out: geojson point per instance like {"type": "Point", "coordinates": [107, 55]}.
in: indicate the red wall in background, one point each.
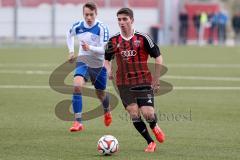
{"type": "Point", "coordinates": [194, 8]}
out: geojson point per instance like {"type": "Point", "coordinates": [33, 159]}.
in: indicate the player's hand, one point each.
{"type": "Point", "coordinates": [156, 85]}
{"type": "Point", "coordinates": [71, 57]}
{"type": "Point", "coordinates": [85, 46]}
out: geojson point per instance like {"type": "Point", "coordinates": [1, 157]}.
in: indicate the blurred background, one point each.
{"type": "Point", "coordinates": [169, 22]}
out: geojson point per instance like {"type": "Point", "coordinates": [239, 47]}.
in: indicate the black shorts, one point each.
{"type": "Point", "coordinates": [141, 95]}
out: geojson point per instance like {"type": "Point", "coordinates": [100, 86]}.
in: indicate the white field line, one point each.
{"type": "Point", "coordinates": [31, 72]}
{"type": "Point", "coordinates": [200, 65]}
{"type": "Point", "coordinates": [20, 65]}
{"type": "Point", "coordinates": [201, 78]}
{"type": "Point", "coordinates": [40, 72]}
{"type": "Point", "coordinates": [208, 88]}
{"type": "Point", "coordinates": [23, 87]}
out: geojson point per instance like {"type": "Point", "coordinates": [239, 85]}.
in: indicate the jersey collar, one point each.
{"type": "Point", "coordinates": [87, 26]}
{"type": "Point", "coordinates": [127, 39]}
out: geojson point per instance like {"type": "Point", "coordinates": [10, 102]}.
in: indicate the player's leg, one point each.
{"type": "Point", "coordinates": [79, 81]}
{"type": "Point", "coordinates": [151, 118]}
{"type": "Point", "coordinates": [129, 102]}
{"type": "Point", "coordinates": [77, 103]}
{"type": "Point", "coordinates": [145, 100]}
{"type": "Point", "coordinates": [138, 123]}
{"type": "Point", "coordinates": [99, 79]}
{"type": "Point", "coordinates": [104, 98]}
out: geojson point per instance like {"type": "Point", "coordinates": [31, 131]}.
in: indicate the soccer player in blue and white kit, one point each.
{"type": "Point", "coordinates": [92, 35]}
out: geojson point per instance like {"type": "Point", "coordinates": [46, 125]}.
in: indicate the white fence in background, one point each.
{"type": "Point", "coordinates": [37, 22]}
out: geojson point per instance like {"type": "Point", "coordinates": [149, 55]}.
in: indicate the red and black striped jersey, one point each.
{"type": "Point", "coordinates": [131, 58]}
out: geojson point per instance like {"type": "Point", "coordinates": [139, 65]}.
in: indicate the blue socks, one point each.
{"type": "Point", "coordinates": [77, 106]}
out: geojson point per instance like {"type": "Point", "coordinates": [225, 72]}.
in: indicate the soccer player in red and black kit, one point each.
{"type": "Point", "coordinates": [135, 82]}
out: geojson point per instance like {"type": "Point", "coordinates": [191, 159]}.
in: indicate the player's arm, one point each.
{"type": "Point", "coordinates": [154, 52]}
{"type": "Point", "coordinates": [104, 35]}
{"type": "Point", "coordinates": [108, 66]}
{"type": "Point", "coordinates": [157, 71]}
{"type": "Point", "coordinates": [109, 55]}
{"type": "Point", "coordinates": [70, 43]}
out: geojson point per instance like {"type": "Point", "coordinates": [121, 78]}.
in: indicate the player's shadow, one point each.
{"type": "Point", "coordinates": [101, 157]}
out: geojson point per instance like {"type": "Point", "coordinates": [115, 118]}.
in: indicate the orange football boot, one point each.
{"type": "Point", "coordinates": [160, 136]}
{"type": "Point", "coordinates": [107, 119]}
{"type": "Point", "coordinates": [151, 147]}
{"type": "Point", "coordinates": [77, 126]}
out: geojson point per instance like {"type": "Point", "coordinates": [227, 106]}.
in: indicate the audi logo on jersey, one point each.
{"type": "Point", "coordinates": [128, 53]}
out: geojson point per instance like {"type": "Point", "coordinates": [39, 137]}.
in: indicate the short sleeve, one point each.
{"type": "Point", "coordinates": [151, 47]}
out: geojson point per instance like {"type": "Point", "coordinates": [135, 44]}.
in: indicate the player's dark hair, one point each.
{"type": "Point", "coordinates": [126, 11]}
{"type": "Point", "coordinates": [91, 5]}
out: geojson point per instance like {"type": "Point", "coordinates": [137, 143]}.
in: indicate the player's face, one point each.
{"type": "Point", "coordinates": [124, 22]}
{"type": "Point", "coordinates": [89, 15]}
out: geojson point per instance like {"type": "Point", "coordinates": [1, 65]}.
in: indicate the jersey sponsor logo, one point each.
{"type": "Point", "coordinates": [128, 53]}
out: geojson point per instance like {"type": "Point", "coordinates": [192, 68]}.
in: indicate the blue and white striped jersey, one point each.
{"type": "Point", "coordinates": [96, 36]}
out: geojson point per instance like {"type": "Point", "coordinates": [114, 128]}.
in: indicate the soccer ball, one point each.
{"type": "Point", "coordinates": [107, 145]}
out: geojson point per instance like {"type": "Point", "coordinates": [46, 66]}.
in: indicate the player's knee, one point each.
{"type": "Point", "coordinates": [133, 110]}
{"type": "Point", "coordinates": [77, 89]}
{"type": "Point", "coordinates": [149, 116]}
{"type": "Point", "coordinates": [148, 112]}
{"type": "Point", "coordinates": [133, 114]}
